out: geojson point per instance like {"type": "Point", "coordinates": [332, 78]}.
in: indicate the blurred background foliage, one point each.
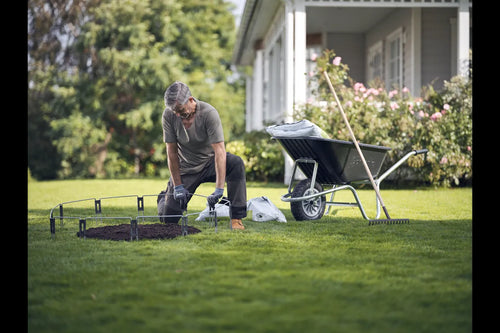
{"type": "Point", "coordinates": [97, 71]}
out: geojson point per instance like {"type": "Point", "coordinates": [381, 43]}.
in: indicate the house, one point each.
{"type": "Point", "coordinates": [406, 43]}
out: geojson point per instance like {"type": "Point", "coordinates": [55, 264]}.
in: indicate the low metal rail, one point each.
{"type": "Point", "coordinates": [134, 219]}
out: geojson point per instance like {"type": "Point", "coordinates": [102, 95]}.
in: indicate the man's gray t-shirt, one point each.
{"type": "Point", "coordinates": [194, 143]}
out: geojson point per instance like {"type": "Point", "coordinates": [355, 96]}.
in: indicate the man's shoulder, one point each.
{"type": "Point", "coordinates": [206, 107]}
{"type": "Point", "coordinates": [208, 113]}
{"type": "Point", "coordinates": [168, 115]}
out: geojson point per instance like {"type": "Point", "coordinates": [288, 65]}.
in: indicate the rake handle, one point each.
{"type": "Point", "coordinates": [353, 138]}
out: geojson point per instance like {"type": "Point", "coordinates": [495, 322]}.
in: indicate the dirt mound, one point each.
{"type": "Point", "coordinates": [145, 231]}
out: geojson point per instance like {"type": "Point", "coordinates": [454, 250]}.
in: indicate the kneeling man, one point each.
{"type": "Point", "coordinates": [192, 131]}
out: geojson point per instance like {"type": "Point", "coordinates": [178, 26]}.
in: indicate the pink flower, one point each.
{"type": "Point", "coordinates": [392, 93]}
{"type": "Point", "coordinates": [358, 86]}
{"type": "Point", "coordinates": [394, 106]}
{"type": "Point", "coordinates": [444, 160]}
{"type": "Point", "coordinates": [314, 56]}
{"type": "Point", "coordinates": [469, 148]}
{"type": "Point", "coordinates": [348, 104]}
{"type": "Point", "coordinates": [446, 106]}
{"type": "Point", "coordinates": [336, 61]}
{"type": "Point", "coordinates": [405, 90]}
{"type": "Point", "coordinates": [421, 114]}
{"type": "Point", "coordinates": [436, 116]}
{"type": "Point", "coordinates": [311, 74]}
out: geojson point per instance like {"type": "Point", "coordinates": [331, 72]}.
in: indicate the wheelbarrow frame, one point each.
{"type": "Point", "coordinates": [339, 183]}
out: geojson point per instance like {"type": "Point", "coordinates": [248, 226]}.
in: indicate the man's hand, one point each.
{"type": "Point", "coordinates": [213, 198]}
{"type": "Point", "coordinates": [181, 195]}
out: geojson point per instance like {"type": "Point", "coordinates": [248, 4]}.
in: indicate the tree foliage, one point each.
{"type": "Point", "coordinates": [98, 71]}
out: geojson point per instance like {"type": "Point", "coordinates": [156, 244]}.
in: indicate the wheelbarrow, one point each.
{"type": "Point", "coordinates": [335, 163]}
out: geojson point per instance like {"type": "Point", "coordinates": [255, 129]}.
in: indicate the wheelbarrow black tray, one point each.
{"type": "Point", "coordinates": [338, 160]}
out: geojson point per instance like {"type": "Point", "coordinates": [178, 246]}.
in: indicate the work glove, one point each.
{"type": "Point", "coordinates": [181, 195]}
{"type": "Point", "coordinates": [213, 198]}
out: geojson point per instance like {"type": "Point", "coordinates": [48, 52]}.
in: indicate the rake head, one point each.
{"type": "Point", "coordinates": [388, 221]}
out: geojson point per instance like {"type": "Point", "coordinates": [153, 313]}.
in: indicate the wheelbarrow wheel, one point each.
{"type": "Point", "coordinates": [311, 209]}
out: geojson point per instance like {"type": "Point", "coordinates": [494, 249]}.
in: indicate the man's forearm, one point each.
{"type": "Point", "coordinates": [220, 164]}
{"type": "Point", "coordinates": [173, 164]}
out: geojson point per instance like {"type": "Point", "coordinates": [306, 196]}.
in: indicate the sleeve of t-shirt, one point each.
{"type": "Point", "coordinates": [214, 127]}
{"type": "Point", "coordinates": [168, 127]}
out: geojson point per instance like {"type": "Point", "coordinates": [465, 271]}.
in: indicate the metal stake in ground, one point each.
{"type": "Point", "coordinates": [184, 224]}
{"type": "Point", "coordinates": [134, 230]}
{"type": "Point", "coordinates": [368, 172]}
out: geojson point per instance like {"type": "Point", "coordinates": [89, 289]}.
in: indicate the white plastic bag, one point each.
{"type": "Point", "coordinates": [264, 210]}
{"type": "Point", "coordinates": [299, 128]}
{"type": "Point", "coordinates": [221, 210]}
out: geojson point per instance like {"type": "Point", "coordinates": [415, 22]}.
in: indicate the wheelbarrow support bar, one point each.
{"type": "Point", "coordinates": [390, 170]}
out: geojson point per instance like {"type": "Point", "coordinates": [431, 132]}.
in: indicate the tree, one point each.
{"type": "Point", "coordinates": [106, 107]}
{"type": "Point", "coordinates": [53, 26]}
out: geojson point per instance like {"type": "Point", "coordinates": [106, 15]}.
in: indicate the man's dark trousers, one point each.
{"type": "Point", "coordinates": [236, 188]}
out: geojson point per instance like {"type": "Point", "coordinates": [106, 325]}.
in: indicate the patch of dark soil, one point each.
{"type": "Point", "coordinates": [145, 231]}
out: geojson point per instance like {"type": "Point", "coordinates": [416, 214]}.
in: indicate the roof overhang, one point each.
{"type": "Point", "coordinates": [255, 21]}
{"type": "Point", "coordinates": [258, 16]}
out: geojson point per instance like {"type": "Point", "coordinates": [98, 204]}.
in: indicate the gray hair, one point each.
{"type": "Point", "coordinates": [177, 93]}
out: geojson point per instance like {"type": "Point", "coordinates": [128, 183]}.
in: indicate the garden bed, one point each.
{"type": "Point", "coordinates": [145, 231]}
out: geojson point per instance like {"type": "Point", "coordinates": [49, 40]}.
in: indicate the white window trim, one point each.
{"type": "Point", "coordinates": [375, 49]}
{"type": "Point", "coordinates": [398, 33]}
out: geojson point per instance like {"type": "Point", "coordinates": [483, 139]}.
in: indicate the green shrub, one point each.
{"type": "Point", "coordinates": [263, 157]}
{"type": "Point", "coordinates": [440, 122]}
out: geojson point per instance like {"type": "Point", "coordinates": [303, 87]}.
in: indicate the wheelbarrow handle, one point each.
{"type": "Point", "coordinates": [401, 161]}
{"type": "Point", "coordinates": [421, 151]}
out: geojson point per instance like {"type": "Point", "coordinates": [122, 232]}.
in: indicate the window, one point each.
{"type": "Point", "coordinates": [375, 62]}
{"type": "Point", "coordinates": [394, 60]}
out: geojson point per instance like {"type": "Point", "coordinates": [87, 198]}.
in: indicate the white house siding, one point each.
{"type": "Point", "coordinates": [436, 44]}
{"type": "Point", "coordinates": [351, 47]}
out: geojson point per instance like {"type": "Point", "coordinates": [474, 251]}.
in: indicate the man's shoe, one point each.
{"type": "Point", "coordinates": [236, 224]}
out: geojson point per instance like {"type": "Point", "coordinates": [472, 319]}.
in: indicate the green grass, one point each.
{"type": "Point", "coordinates": [336, 274]}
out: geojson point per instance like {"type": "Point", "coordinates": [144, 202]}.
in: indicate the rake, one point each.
{"type": "Point", "coordinates": [372, 181]}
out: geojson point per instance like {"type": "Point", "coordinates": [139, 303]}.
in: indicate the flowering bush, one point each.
{"type": "Point", "coordinates": [440, 122]}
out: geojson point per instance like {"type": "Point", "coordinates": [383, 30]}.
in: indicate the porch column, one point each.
{"type": "Point", "coordinates": [257, 91]}
{"type": "Point", "coordinates": [288, 100]}
{"type": "Point", "coordinates": [300, 53]}
{"type": "Point", "coordinates": [416, 51]}
{"type": "Point", "coordinates": [288, 57]}
{"type": "Point", "coordinates": [248, 103]}
{"type": "Point", "coordinates": [463, 38]}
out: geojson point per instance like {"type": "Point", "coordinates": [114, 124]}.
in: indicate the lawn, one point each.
{"type": "Point", "coordinates": [336, 274]}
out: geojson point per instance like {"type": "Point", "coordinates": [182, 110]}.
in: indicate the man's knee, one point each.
{"type": "Point", "coordinates": [235, 167]}
{"type": "Point", "coordinates": [167, 206]}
